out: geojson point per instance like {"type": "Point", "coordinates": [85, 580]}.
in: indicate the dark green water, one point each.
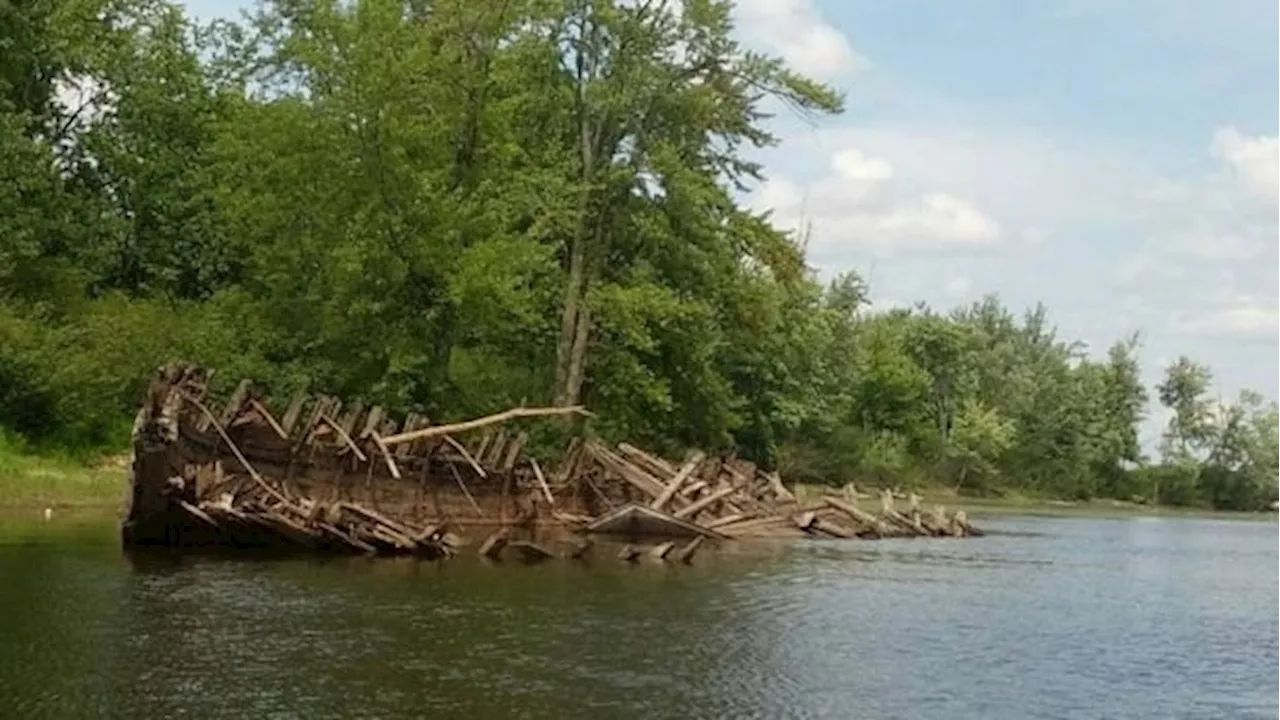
{"type": "Point", "coordinates": [1062, 618]}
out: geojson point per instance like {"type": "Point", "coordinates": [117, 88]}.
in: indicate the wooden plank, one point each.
{"type": "Point", "coordinates": [530, 551]}
{"type": "Point", "coordinates": [685, 554]}
{"type": "Point", "coordinates": [632, 474]}
{"type": "Point", "coordinates": [492, 545]}
{"type": "Point", "coordinates": [294, 411]}
{"type": "Point", "coordinates": [199, 514]}
{"type": "Point", "coordinates": [493, 455]}
{"type": "Point", "coordinates": [463, 486]}
{"type": "Point", "coordinates": [349, 540]}
{"type": "Point", "coordinates": [386, 455]}
{"type": "Point", "coordinates": [513, 452]}
{"type": "Point", "coordinates": [694, 508]}
{"type": "Point", "coordinates": [344, 437]}
{"type": "Point", "coordinates": [233, 405]}
{"type": "Point", "coordinates": [660, 552]}
{"type": "Point", "coordinates": [236, 451]}
{"type": "Point", "coordinates": [683, 474]}
{"type": "Point", "coordinates": [729, 520]}
{"type": "Point", "coordinates": [462, 450]}
{"type": "Point", "coordinates": [633, 519]}
{"type": "Point", "coordinates": [372, 422]}
{"type": "Point", "coordinates": [652, 464]}
{"type": "Point", "coordinates": [350, 419]}
{"type": "Point", "coordinates": [269, 418]}
{"type": "Point", "coordinates": [857, 514]}
{"type": "Point", "coordinates": [542, 482]}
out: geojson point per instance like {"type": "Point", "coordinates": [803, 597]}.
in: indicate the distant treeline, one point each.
{"type": "Point", "coordinates": [452, 208]}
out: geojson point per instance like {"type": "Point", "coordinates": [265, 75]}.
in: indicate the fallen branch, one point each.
{"type": "Point", "coordinates": [504, 416]}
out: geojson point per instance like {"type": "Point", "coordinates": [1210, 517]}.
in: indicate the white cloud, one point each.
{"type": "Point", "coordinates": [853, 164]}
{"type": "Point", "coordinates": [958, 286]}
{"type": "Point", "coordinates": [940, 218]}
{"type": "Point", "coordinates": [1241, 317]}
{"type": "Point", "coordinates": [1254, 161]}
{"type": "Point", "coordinates": [796, 31]}
{"type": "Point", "coordinates": [857, 207]}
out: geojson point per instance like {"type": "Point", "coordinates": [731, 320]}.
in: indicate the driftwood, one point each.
{"type": "Point", "coordinates": [494, 419]}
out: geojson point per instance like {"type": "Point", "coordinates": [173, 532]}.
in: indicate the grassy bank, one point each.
{"type": "Point", "coordinates": [31, 479]}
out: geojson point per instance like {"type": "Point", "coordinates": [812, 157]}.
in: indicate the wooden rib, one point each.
{"type": "Point", "coordinates": [466, 456]}
{"type": "Point", "coordinates": [386, 455]}
{"type": "Point", "coordinates": [271, 420]}
{"type": "Point", "coordinates": [504, 416]}
{"type": "Point", "coordinates": [463, 486]}
{"type": "Point", "coordinates": [542, 481]}
{"type": "Point", "coordinates": [513, 451]}
{"type": "Point", "coordinates": [373, 421]}
{"type": "Point", "coordinates": [199, 514]}
{"type": "Point", "coordinates": [349, 419]}
{"type": "Point", "coordinates": [236, 451]}
{"type": "Point", "coordinates": [232, 407]}
{"type": "Point", "coordinates": [294, 411]}
{"type": "Point", "coordinates": [346, 439]}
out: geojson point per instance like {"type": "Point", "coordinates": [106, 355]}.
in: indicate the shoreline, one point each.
{"type": "Point", "coordinates": [30, 483]}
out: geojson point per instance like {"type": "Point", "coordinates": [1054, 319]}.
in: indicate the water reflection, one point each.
{"type": "Point", "coordinates": [1054, 618]}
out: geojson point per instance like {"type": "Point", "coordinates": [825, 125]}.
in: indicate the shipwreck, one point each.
{"type": "Point", "coordinates": [315, 474]}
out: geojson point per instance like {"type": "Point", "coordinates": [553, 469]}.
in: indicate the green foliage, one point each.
{"type": "Point", "coordinates": [456, 208]}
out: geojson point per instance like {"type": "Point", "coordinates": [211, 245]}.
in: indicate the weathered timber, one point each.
{"type": "Point", "coordinates": [683, 474]}
{"type": "Point", "coordinates": [505, 416]}
{"type": "Point", "coordinates": [312, 482]}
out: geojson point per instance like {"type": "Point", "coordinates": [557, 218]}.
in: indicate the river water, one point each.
{"type": "Point", "coordinates": [1045, 618]}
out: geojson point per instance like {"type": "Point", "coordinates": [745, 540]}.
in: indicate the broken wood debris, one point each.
{"type": "Point", "coordinates": [343, 478]}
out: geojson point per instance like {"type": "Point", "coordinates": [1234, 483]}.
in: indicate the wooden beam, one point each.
{"type": "Point", "coordinates": [542, 481]}
{"type": "Point", "coordinates": [465, 455]}
{"type": "Point", "coordinates": [685, 472]}
{"type": "Point", "coordinates": [236, 451]}
{"type": "Point", "coordinates": [512, 414]}
{"type": "Point", "coordinates": [346, 439]}
{"type": "Point", "coordinates": [267, 416]}
{"type": "Point", "coordinates": [694, 508]}
{"type": "Point", "coordinates": [386, 455]}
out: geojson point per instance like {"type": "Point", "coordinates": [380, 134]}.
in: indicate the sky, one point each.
{"type": "Point", "coordinates": [1116, 161]}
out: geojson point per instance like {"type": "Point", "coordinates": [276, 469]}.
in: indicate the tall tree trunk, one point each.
{"type": "Point", "coordinates": [570, 318]}
{"type": "Point", "coordinates": [574, 324]}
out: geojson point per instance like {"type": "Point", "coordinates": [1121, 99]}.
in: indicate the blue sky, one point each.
{"type": "Point", "coordinates": [1115, 160]}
